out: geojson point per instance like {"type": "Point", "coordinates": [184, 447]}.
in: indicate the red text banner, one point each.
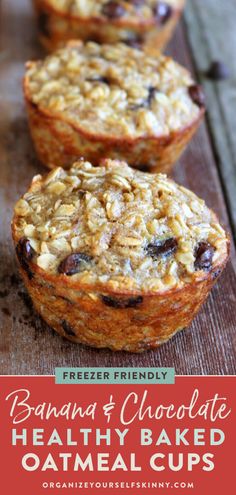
{"type": "Point", "coordinates": [117, 439]}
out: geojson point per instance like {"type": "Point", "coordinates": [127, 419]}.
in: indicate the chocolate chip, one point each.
{"type": "Point", "coordinates": [25, 254]}
{"type": "Point", "coordinates": [144, 167]}
{"type": "Point", "coordinates": [113, 10]}
{"type": "Point", "coordinates": [204, 253]}
{"type": "Point", "coordinates": [67, 328]}
{"type": "Point", "coordinates": [151, 94]}
{"type": "Point", "coordinates": [197, 95]}
{"type": "Point", "coordinates": [162, 248]}
{"type": "Point", "coordinates": [81, 193]}
{"type": "Point", "coordinates": [121, 303]}
{"type": "Point", "coordinates": [162, 12]}
{"type": "Point", "coordinates": [134, 42]}
{"type": "Point", "coordinates": [43, 24]}
{"type": "Point", "coordinates": [218, 71]}
{"type": "Point", "coordinates": [102, 79]}
{"type": "Point", "coordinates": [74, 263]}
{"type": "Point", "coordinates": [146, 103]}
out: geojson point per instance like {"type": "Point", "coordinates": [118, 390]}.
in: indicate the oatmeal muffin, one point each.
{"type": "Point", "coordinates": [149, 23]}
{"type": "Point", "coordinates": [114, 257]}
{"type": "Point", "coordinates": [97, 101]}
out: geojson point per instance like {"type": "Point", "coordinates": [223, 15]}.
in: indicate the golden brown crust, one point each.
{"type": "Point", "coordinates": [57, 27]}
{"type": "Point", "coordinates": [115, 214]}
{"type": "Point", "coordinates": [58, 142]}
{"type": "Point", "coordinates": [68, 285]}
{"type": "Point", "coordinates": [108, 311]}
{"type": "Point", "coordinates": [152, 322]}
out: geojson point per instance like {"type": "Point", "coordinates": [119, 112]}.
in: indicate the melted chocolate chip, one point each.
{"type": "Point", "coordinates": [151, 94]}
{"type": "Point", "coordinates": [162, 248]}
{"type": "Point", "coordinates": [197, 95]}
{"type": "Point", "coordinates": [144, 167]}
{"type": "Point", "coordinates": [218, 71]}
{"type": "Point", "coordinates": [25, 254]}
{"type": "Point", "coordinates": [67, 328]}
{"type": "Point", "coordinates": [146, 103]}
{"type": "Point", "coordinates": [113, 10]}
{"type": "Point", "coordinates": [74, 263]}
{"type": "Point", "coordinates": [102, 79]}
{"type": "Point", "coordinates": [121, 303]}
{"type": "Point", "coordinates": [43, 24]}
{"type": "Point", "coordinates": [203, 256]}
{"type": "Point", "coordinates": [81, 193]}
{"type": "Point", "coordinates": [162, 12]}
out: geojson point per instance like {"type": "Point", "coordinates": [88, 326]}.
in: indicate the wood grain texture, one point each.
{"type": "Point", "coordinates": [27, 345]}
{"type": "Point", "coordinates": [212, 36]}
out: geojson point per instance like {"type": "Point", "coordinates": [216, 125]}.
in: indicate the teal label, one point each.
{"type": "Point", "coordinates": [124, 376]}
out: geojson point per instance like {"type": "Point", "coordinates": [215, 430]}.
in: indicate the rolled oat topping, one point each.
{"type": "Point", "coordinates": [115, 90]}
{"type": "Point", "coordinates": [118, 227]}
{"type": "Point", "coordinates": [131, 10]}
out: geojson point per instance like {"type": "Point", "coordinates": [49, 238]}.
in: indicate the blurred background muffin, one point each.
{"type": "Point", "coordinates": [137, 22]}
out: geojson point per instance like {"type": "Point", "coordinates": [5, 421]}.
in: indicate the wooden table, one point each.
{"type": "Point", "coordinates": [27, 345]}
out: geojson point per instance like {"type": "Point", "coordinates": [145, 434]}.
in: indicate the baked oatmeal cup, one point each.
{"type": "Point", "coordinates": [96, 101]}
{"type": "Point", "coordinates": [149, 23]}
{"type": "Point", "coordinates": [114, 257]}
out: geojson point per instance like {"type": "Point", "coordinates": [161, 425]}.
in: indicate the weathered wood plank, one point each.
{"type": "Point", "coordinates": [212, 35]}
{"type": "Point", "coordinates": [27, 345]}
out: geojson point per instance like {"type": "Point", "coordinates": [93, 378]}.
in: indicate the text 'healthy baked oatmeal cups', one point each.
{"type": "Point", "coordinates": [97, 101]}
{"type": "Point", "coordinates": [149, 23]}
{"type": "Point", "coordinates": [113, 257]}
